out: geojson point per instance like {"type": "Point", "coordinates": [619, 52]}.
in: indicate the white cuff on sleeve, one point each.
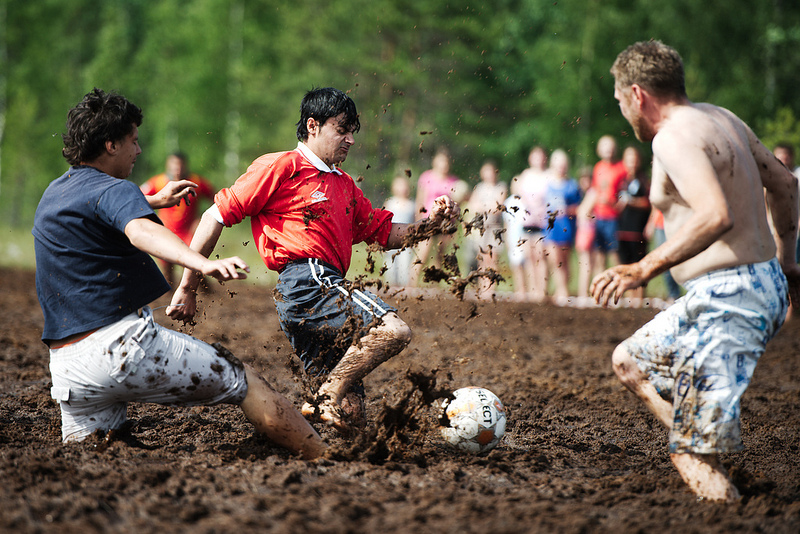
{"type": "Point", "coordinates": [214, 212]}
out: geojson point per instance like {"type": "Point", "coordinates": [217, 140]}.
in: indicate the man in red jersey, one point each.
{"type": "Point", "coordinates": [306, 215]}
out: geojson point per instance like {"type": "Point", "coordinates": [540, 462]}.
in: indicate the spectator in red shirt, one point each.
{"type": "Point", "coordinates": [181, 219]}
{"type": "Point", "coordinates": [608, 181]}
{"type": "Point", "coordinates": [306, 214]}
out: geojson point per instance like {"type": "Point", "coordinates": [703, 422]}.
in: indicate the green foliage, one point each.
{"type": "Point", "coordinates": [222, 79]}
{"type": "Point", "coordinates": [784, 128]}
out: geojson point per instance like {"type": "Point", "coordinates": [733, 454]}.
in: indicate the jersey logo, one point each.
{"type": "Point", "coordinates": [318, 196]}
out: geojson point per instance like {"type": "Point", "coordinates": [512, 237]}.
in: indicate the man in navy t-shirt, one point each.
{"type": "Point", "coordinates": [94, 233]}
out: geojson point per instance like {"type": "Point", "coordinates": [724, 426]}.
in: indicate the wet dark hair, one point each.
{"type": "Point", "coordinates": [323, 103]}
{"type": "Point", "coordinates": [98, 118]}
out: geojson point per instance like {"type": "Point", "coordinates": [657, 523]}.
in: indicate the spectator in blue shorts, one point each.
{"type": "Point", "coordinates": [563, 198]}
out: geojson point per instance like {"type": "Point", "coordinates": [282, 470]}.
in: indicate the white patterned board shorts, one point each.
{"type": "Point", "coordinates": [701, 352]}
{"type": "Point", "coordinates": [137, 360]}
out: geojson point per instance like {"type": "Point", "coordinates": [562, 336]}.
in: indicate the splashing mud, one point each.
{"type": "Point", "coordinates": [400, 426]}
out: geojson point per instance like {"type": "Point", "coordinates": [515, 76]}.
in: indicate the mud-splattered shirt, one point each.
{"type": "Point", "coordinates": [299, 209]}
{"type": "Point", "coordinates": [88, 274]}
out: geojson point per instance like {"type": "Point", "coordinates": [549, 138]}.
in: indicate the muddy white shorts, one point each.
{"type": "Point", "coordinates": [701, 352]}
{"type": "Point", "coordinates": [136, 359]}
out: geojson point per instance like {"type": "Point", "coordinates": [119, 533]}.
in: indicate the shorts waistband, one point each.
{"type": "Point", "coordinates": [70, 340]}
{"type": "Point", "coordinates": [311, 261]}
{"type": "Point", "coordinates": [736, 271]}
{"type": "Point", "coordinates": [144, 312]}
{"type": "Point", "coordinates": [742, 269]}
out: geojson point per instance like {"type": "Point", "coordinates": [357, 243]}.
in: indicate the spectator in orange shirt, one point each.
{"type": "Point", "coordinates": [183, 218]}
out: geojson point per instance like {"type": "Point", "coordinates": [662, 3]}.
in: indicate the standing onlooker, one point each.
{"type": "Point", "coordinates": [563, 198]}
{"type": "Point", "coordinates": [516, 244]}
{"type": "Point", "coordinates": [634, 215]}
{"type": "Point", "coordinates": [398, 264]}
{"type": "Point", "coordinates": [608, 181]}
{"type": "Point", "coordinates": [785, 154]}
{"type": "Point", "coordinates": [433, 183]}
{"type": "Point", "coordinates": [531, 187]}
{"type": "Point", "coordinates": [182, 218]}
{"type": "Point", "coordinates": [655, 232]}
{"type": "Point", "coordinates": [486, 201]}
{"type": "Point", "coordinates": [584, 235]}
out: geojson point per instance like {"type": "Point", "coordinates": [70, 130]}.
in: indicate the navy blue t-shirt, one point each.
{"type": "Point", "coordinates": [88, 274]}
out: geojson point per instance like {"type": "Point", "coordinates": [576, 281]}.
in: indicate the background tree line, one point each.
{"type": "Point", "coordinates": [222, 79]}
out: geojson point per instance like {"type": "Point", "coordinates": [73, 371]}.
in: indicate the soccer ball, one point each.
{"type": "Point", "coordinates": [474, 420]}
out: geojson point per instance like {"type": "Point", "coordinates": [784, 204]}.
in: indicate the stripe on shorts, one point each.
{"type": "Point", "coordinates": [358, 296]}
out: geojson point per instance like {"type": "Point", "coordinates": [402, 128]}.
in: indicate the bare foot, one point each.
{"type": "Point", "coordinates": [326, 412]}
{"type": "Point", "coordinates": [706, 476]}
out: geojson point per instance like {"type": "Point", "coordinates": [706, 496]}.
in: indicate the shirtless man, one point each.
{"type": "Point", "coordinates": [692, 363]}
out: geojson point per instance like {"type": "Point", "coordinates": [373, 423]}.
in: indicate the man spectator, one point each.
{"type": "Point", "coordinates": [181, 218]}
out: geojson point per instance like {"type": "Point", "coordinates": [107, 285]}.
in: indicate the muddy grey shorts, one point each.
{"type": "Point", "coordinates": [322, 313]}
{"type": "Point", "coordinates": [137, 360]}
{"type": "Point", "coordinates": [701, 352]}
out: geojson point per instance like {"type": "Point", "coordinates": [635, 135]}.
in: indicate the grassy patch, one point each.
{"type": "Point", "coordinates": [16, 248]}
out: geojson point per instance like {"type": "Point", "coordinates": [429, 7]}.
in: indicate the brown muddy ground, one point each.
{"type": "Point", "coordinates": [580, 454]}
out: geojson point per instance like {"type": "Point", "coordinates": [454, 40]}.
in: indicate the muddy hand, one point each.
{"type": "Point", "coordinates": [183, 305]}
{"type": "Point", "coordinates": [445, 208]}
{"type": "Point", "coordinates": [445, 213]}
{"type": "Point", "coordinates": [613, 282]}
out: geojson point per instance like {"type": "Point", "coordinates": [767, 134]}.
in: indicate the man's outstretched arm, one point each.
{"type": "Point", "coordinates": [184, 302]}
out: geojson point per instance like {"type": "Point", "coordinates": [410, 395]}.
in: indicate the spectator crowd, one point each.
{"type": "Point", "coordinates": [548, 231]}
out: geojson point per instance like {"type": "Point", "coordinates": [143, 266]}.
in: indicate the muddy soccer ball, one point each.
{"type": "Point", "coordinates": [474, 420]}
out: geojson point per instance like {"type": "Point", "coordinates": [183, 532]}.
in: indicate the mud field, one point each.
{"type": "Point", "coordinates": [580, 454]}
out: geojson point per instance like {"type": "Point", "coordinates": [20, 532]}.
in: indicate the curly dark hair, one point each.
{"type": "Point", "coordinates": [98, 118]}
{"type": "Point", "coordinates": [323, 103]}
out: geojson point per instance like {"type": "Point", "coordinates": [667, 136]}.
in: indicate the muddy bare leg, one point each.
{"type": "Point", "coordinates": [274, 416]}
{"type": "Point", "coordinates": [381, 343]}
{"type": "Point", "coordinates": [635, 380]}
{"type": "Point", "coordinates": [706, 476]}
{"type": "Point", "coordinates": [703, 473]}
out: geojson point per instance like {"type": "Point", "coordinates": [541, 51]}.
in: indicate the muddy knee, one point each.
{"type": "Point", "coordinates": [403, 336]}
{"type": "Point", "coordinates": [396, 333]}
{"type": "Point", "coordinates": [625, 368]}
